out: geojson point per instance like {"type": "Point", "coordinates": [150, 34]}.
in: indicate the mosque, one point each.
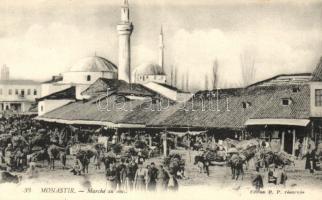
{"type": "Point", "coordinates": [88, 70]}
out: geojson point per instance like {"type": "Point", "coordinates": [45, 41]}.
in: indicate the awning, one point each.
{"type": "Point", "coordinates": [89, 122]}
{"type": "Point", "coordinates": [179, 134]}
{"type": "Point", "coordinates": [289, 122]}
{"type": "Point", "coordinates": [196, 132]}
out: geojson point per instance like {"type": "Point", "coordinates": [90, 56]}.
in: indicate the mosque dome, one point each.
{"type": "Point", "coordinates": [93, 64]}
{"type": "Point", "coordinates": [148, 69]}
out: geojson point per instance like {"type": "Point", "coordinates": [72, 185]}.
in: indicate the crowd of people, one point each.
{"type": "Point", "coordinates": [129, 175]}
{"type": "Point", "coordinates": [22, 137]}
{"type": "Point", "coordinates": [24, 142]}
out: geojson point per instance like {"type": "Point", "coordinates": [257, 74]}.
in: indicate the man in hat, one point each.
{"type": "Point", "coordinates": [164, 178]}
{"type": "Point", "coordinates": [77, 168]}
{"type": "Point", "coordinates": [153, 176]}
{"type": "Point", "coordinates": [272, 177]}
{"type": "Point", "coordinates": [32, 171]}
{"type": "Point", "coordinates": [111, 176]}
{"type": "Point", "coordinates": [257, 182]}
{"type": "Point", "coordinates": [9, 157]}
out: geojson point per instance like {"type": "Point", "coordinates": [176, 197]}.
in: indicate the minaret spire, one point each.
{"type": "Point", "coordinates": [125, 29]}
{"type": "Point", "coordinates": [161, 49]}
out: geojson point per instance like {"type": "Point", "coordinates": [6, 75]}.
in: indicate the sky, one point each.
{"type": "Point", "coordinates": [41, 38]}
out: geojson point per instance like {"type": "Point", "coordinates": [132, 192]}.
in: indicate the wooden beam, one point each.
{"type": "Point", "coordinates": [293, 145]}
{"type": "Point", "coordinates": [282, 140]}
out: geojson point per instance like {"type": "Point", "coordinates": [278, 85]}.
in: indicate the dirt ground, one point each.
{"type": "Point", "coordinates": [220, 176]}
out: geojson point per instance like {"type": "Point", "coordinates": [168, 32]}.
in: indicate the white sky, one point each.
{"type": "Point", "coordinates": [40, 38]}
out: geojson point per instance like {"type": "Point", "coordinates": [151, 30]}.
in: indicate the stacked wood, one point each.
{"type": "Point", "coordinates": [5, 139]}
{"type": "Point", "coordinates": [19, 141]}
{"type": "Point", "coordinates": [174, 162]}
{"type": "Point", "coordinates": [229, 143]}
{"type": "Point", "coordinates": [245, 144]}
{"type": "Point", "coordinates": [248, 153]}
{"type": "Point", "coordinates": [285, 158]}
{"type": "Point", "coordinates": [39, 140]}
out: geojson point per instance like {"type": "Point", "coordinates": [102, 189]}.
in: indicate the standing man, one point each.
{"type": "Point", "coordinates": [153, 176]}
{"type": "Point", "coordinates": [111, 176]}
{"type": "Point", "coordinates": [130, 174]}
{"type": "Point", "coordinates": [164, 178]}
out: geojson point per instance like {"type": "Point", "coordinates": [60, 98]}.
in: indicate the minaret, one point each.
{"type": "Point", "coordinates": [161, 49]}
{"type": "Point", "coordinates": [125, 29]}
{"type": "Point", "coordinates": [4, 73]}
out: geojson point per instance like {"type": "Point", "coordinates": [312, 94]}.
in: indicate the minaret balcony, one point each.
{"type": "Point", "coordinates": [125, 28]}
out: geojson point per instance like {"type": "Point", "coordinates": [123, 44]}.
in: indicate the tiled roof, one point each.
{"type": "Point", "coordinates": [317, 73]}
{"type": "Point", "coordinates": [208, 110]}
{"type": "Point", "coordinates": [119, 86]}
{"type": "Point", "coordinates": [69, 93]}
{"type": "Point", "coordinates": [264, 102]}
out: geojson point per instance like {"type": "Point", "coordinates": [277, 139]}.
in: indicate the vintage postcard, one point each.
{"type": "Point", "coordinates": [160, 99]}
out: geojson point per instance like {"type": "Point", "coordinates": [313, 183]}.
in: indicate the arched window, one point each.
{"type": "Point", "coordinates": [88, 78]}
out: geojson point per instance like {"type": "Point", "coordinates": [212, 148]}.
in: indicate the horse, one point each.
{"type": "Point", "coordinates": [40, 155]}
{"type": "Point", "coordinates": [84, 157]}
{"type": "Point", "coordinates": [107, 160]}
{"type": "Point", "coordinates": [236, 165]}
{"type": "Point", "coordinates": [53, 152]}
{"type": "Point", "coordinates": [201, 161]}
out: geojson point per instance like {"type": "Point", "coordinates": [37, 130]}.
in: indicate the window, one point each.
{"type": "Point", "coordinates": [16, 91]}
{"type": "Point", "coordinates": [88, 78]}
{"type": "Point", "coordinates": [22, 92]}
{"type": "Point", "coordinates": [35, 92]}
{"type": "Point", "coordinates": [1, 91]}
{"type": "Point", "coordinates": [42, 108]}
{"type": "Point", "coordinates": [28, 92]}
{"type": "Point", "coordinates": [246, 104]}
{"type": "Point", "coordinates": [10, 91]}
{"type": "Point", "coordinates": [296, 89]}
{"type": "Point", "coordinates": [286, 102]}
{"type": "Point", "coordinates": [318, 97]}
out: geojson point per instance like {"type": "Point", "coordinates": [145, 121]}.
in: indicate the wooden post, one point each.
{"type": "Point", "coordinates": [305, 144]}
{"type": "Point", "coordinates": [165, 144]}
{"type": "Point", "coordinates": [175, 141]}
{"type": "Point", "coordinates": [282, 141]}
{"type": "Point", "coordinates": [293, 145]}
{"type": "Point", "coordinates": [150, 140]}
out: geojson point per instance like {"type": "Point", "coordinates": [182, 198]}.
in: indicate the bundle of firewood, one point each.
{"type": "Point", "coordinates": [245, 144]}
{"type": "Point", "coordinates": [174, 162]}
{"type": "Point", "coordinates": [4, 140]}
{"type": "Point", "coordinates": [284, 157]}
{"type": "Point", "coordinates": [248, 152]}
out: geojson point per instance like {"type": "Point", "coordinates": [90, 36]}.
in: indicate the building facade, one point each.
{"type": "Point", "coordinates": [18, 95]}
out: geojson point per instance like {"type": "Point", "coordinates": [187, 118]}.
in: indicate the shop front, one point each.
{"type": "Point", "coordinates": [289, 135]}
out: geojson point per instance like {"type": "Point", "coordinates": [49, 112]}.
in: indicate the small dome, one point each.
{"type": "Point", "coordinates": [93, 64]}
{"type": "Point", "coordinates": [148, 69]}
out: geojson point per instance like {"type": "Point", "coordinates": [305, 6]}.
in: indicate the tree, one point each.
{"type": "Point", "coordinates": [187, 81]}
{"type": "Point", "coordinates": [183, 82]}
{"type": "Point", "coordinates": [247, 62]}
{"type": "Point", "coordinates": [215, 74]}
{"type": "Point", "coordinates": [206, 82]}
{"type": "Point", "coordinates": [172, 76]}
